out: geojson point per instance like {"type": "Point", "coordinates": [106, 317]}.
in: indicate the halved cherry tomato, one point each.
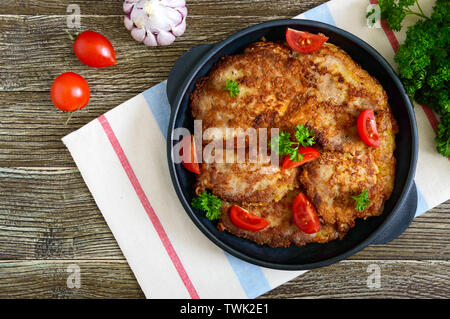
{"type": "Point", "coordinates": [367, 128]}
{"type": "Point", "coordinates": [70, 92]}
{"type": "Point", "coordinates": [191, 164]}
{"type": "Point", "coordinates": [305, 215]}
{"type": "Point", "coordinates": [309, 153]}
{"type": "Point", "coordinates": [246, 220]}
{"type": "Point", "coordinates": [94, 50]}
{"type": "Point", "coordinates": [304, 42]}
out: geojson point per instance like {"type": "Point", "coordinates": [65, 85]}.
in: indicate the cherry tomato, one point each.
{"type": "Point", "coordinates": [191, 164]}
{"type": "Point", "coordinates": [246, 220]}
{"type": "Point", "coordinates": [70, 92]}
{"type": "Point", "coordinates": [305, 215]}
{"type": "Point", "coordinates": [304, 42]}
{"type": "Point", "coordinates": [367, 128]}
{"type": "Point", "coordinates": [94, 50]}
{"type": "Point", "coordinates": [309, 153]}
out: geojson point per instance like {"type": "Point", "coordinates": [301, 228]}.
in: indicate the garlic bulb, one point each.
{"type": "Point", "coordinates": [155, 22]}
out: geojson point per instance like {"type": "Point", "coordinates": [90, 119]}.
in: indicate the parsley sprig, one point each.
{"type": "Point", "coordinates": [283, 145]}
{"type": "Point", "coordinates": [423, 59]}
{"type": "Point", "coordinates": [394, 11]}
{"type": "Point", "coordinates": [362, 200]}
{"type": "Point", "coordinates": [208, 203]}
{"type": "Point", "coordinates": [232, 87]}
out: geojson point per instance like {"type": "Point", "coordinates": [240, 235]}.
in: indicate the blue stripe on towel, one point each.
{"type": "Point", "coordinates": [321, 13]}
{"type": "Point", "coordinates": [156, 99]}
{"type": "Point", "coordinates": [422, 205]}
{"type": "Point", "coordinates": [251, 277]}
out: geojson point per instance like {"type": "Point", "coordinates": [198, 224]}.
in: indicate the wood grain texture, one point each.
{"type": "Point", "coordinates": [198, 7]}
{"type": "Point", "coordinates": [31, 128]}
{"type": "Point", "coordinates": [29, 42]}
{"type": "Point", "coordinates": [48, 218]}
{"type": "Point", "coordinates": [50, 214]}
{"type": "Point", "coordinates": [114, 279]}
{"type": "Point", "coordinates": [399, 279]}
{"type": "Point", "coordinates": [48, 279]}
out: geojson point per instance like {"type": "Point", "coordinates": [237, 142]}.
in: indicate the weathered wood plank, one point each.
{"type": "Point", "coordinates": [50, 214]}
{"type": "Point", "coordinates": [31, 128]}
{"type": "Point", "coordinates": [198, 7]}
{"type": "Point", "coordinates": [114, 279]}
{"type": "Point", "coordinates": [27, 43]}
{"type": "Point", "coordinates": [348, 279]}
{"type": "Point", "coordinates": [48, 279]}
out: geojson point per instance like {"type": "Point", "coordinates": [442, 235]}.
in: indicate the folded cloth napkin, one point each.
{"type": "Point", "coordinates": [122, 158]}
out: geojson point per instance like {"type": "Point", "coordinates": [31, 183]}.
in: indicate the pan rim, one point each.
{"type": "Point", "coordinates": [366, 48]}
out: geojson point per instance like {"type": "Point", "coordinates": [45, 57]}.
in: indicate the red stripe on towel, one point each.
{"type": "Point", "coordinates": [390, 34]}
{"type": "Point", "coordinates": [431, 116]}
{"type": "Point", "coordinates": [147, 206]}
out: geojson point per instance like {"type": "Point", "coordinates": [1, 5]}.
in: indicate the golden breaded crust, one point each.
{"type": "Point", "coordinates": [282, 230]}
{"type": "Point", "coordinates": [331, 180]}
{"type": "Point", "coordinates": [257, 183]}
{"type": "Point", "coordinates": [269, 80]}
{"type": "Point", "coordinates": [338, 91]}
{"type": "Point", "coordinates": [326, 91]}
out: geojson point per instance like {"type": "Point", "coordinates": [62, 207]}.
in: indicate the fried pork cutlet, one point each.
{"type": "Point", "coordinates": [282, 230]}
{"type": "Point", "coordinates": [331, 180]}
{"type": "Point", "coordinates": [257, 183]}
{"type": "Point", "coordinates": [269, 80]}
{"type": "Point", "coordinates": [338, 91]}
{"type": "Point", "coordinates": [324, 90]}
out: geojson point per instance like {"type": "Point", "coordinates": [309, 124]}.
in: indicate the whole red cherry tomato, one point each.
{"type": "Point", "coordinates": [70, 92]}
{"type": "Point", "coordinates": [94, 50]}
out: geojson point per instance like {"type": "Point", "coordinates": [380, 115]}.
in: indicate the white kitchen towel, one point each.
{"type": "Point", "coordinates": [122, 158]}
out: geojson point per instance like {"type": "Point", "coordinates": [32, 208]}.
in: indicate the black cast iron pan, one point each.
{"type": "Point", "coordinates": [399, 210]}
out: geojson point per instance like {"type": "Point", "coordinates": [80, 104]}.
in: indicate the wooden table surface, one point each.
{"type": "Point", "coordinates": [48, 218]}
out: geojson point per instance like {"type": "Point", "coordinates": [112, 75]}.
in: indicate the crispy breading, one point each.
{"type": "Point", "coordinates": [282, 231]}
{"type": "Point", "coordinates": [269, 79]}
{"type": "Point", "coordinates": [339, 90]}
{"type": "Point", "coordinates": [332, 180]}
{"type": "Point", "coordinates": [259, 183]}
{"type": "Point", "coordinates": [324, 90]}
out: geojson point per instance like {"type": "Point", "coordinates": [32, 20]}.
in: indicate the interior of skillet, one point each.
{"type": "Point", "coordinates": [294, 257]}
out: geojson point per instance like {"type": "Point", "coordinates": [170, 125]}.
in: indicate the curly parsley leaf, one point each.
{"type": "Point", "coordinates": [232, 87]}
{"type": "Point", "coordinates": [362, 200]}
{"type": "Point", "coordinates": [423, 59]}
{"type": "Point", "coordinates": [394, 11]}
{"type": "Point", "coordinates": [304, 136]}
{"type": "Point", "coordinates": [208, 203]}
{"type": "Point", "coordinates": [443, 135]}
{"type": "Point", "coordinates": [283, 145]}
{"type": "Point", "coordinates": [372, 17]}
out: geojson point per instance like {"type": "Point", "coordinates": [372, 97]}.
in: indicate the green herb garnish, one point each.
{"type": "Point", "coordinates": [443, 135]}
{"type": "Point", "coordinates": [362, 200]}
{"type": "Point", "coordinates": [287, 147]}
{"type": "Point", "coordinates": [394, 11]}
{"type": "Point", "coordinates": [232, 87]}
{"type": "Point", "coordinates": [423, 59]}
{"type": "Point", "coordinates": [209, 203]}
{"type": "Point", "coordinates": [371, 17]}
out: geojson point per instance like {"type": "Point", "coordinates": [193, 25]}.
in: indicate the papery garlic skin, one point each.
{"type": "Point", "coordinates": [155, 22]}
